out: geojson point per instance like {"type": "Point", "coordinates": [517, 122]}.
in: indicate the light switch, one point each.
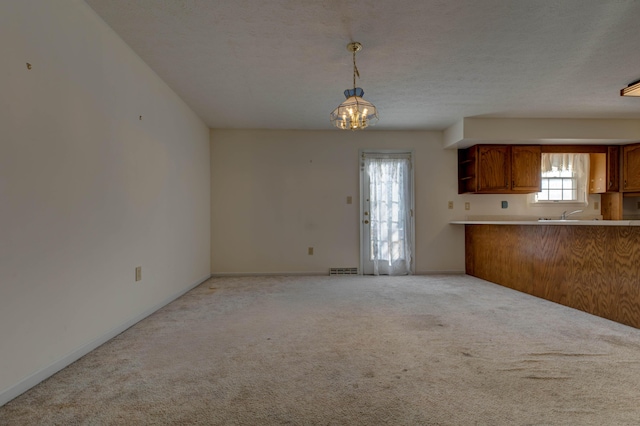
{"type": "Point", "coordinates": [349, 199]}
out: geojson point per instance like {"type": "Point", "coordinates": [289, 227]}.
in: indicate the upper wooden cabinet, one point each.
{"type": "Point", "coordinates": [631, 168]}
{"type": "Point", "coordinates": [499, 169]}
{"type": "Point", "coordinates": [604, 170]}
{"type": "Point", "coordinates": [526, 168]}
{"type": "Point", "coordinates": [494, 168]}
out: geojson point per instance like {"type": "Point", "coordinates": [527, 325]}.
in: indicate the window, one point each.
{"type": "Point", "coordinates": [558, 185]}
{"type": "Point", "coordinates": [564, 178]}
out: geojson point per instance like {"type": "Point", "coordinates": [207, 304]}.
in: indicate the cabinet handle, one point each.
{"type": "Point", "coordinates": [610, 183]}
{"type": "Point", "coordinates": [625, 183]}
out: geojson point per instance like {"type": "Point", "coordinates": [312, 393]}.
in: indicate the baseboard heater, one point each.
{"type": "Point", "coordinates": [343, 271]}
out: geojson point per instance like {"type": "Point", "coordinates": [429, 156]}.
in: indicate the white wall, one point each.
{"type": "Point", "coordinates": [472, 130]}
{"type": "Point", "coordinates": [276, 193]}
{"type": "Point", "coordinates": [88, 191]}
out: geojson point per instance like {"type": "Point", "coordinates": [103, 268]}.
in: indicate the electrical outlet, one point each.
{"type": "Point", "coordinates": [310, 251]}
{"type": "Point", "coordinates": [467, 206]}
{"type": "Point", "coordinates": [450, 205]}
{"type": "Point", "coordinates": [596, 205]}
{"type": "Point", "coordinates": [349, 199]}
{"type": "Point", "coordinates": [138, 273]}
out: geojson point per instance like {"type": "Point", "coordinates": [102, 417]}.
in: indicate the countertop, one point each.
{"type": "Point", "coordinates": [549, 222]}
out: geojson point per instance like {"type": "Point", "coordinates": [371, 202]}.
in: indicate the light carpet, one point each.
{"type": "Point", "coordinates": [416, 350]}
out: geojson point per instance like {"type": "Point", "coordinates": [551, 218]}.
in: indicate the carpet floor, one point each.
{"type": "Point", "coordinates": [416, 350]}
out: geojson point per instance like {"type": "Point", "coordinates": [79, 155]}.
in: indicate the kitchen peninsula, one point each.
{"type": "Point", "coordinates": [593, 266]}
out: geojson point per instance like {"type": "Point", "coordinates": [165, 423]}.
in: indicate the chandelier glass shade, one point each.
{"type": "Point", "coordinates": [354, 113]}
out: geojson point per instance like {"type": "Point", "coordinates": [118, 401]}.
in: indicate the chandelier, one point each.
{"type": "Point", "coordinates": [354, 113]}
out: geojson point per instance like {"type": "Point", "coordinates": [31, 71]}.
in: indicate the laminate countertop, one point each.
{"type": "Point", "coordinates": [571, 222]}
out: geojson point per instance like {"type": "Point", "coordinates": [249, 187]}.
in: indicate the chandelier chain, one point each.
{"type": "Point", "coordinates": [355, 70]}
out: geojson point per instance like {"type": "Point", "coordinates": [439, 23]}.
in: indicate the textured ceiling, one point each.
{"type": "Point", "coordinates": [283, 64]}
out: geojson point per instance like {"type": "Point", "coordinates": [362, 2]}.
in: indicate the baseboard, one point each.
{"type": "Point", "coordinates": [271, 274]}
{"type": "Point", "coordinates": [268, 274]}
{"type": "Point", "coordinates": [440, 273]}
{"type": "Point", "coordinates": [46, 372]}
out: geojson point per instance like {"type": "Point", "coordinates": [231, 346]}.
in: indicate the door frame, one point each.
{"type": "Point", "coordinates": [364, 251]}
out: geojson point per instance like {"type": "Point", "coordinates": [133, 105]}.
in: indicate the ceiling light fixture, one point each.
{"type": "Point", "coordinates": [632, 89]}
{"type": "Point", "coordinates": [354, 113]}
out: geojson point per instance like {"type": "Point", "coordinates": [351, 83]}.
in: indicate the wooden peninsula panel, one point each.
{"type": "Point", "coordinates": [592, 268]}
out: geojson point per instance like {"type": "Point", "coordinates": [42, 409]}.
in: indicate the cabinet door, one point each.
{"type": "Point", "coordinates": [526, 168]}
{"type": "Point", "coordinates": [494, 168]}
{"type": "Point", "coordinates": [598, 173]}
{"type": "Point", "coordinates": [613, 168]}
{"type": "Point", "coordinates": [631, 168]}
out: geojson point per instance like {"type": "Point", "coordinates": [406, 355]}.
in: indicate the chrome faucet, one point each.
{"type": "Point", "coordinates": [565, 215]}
